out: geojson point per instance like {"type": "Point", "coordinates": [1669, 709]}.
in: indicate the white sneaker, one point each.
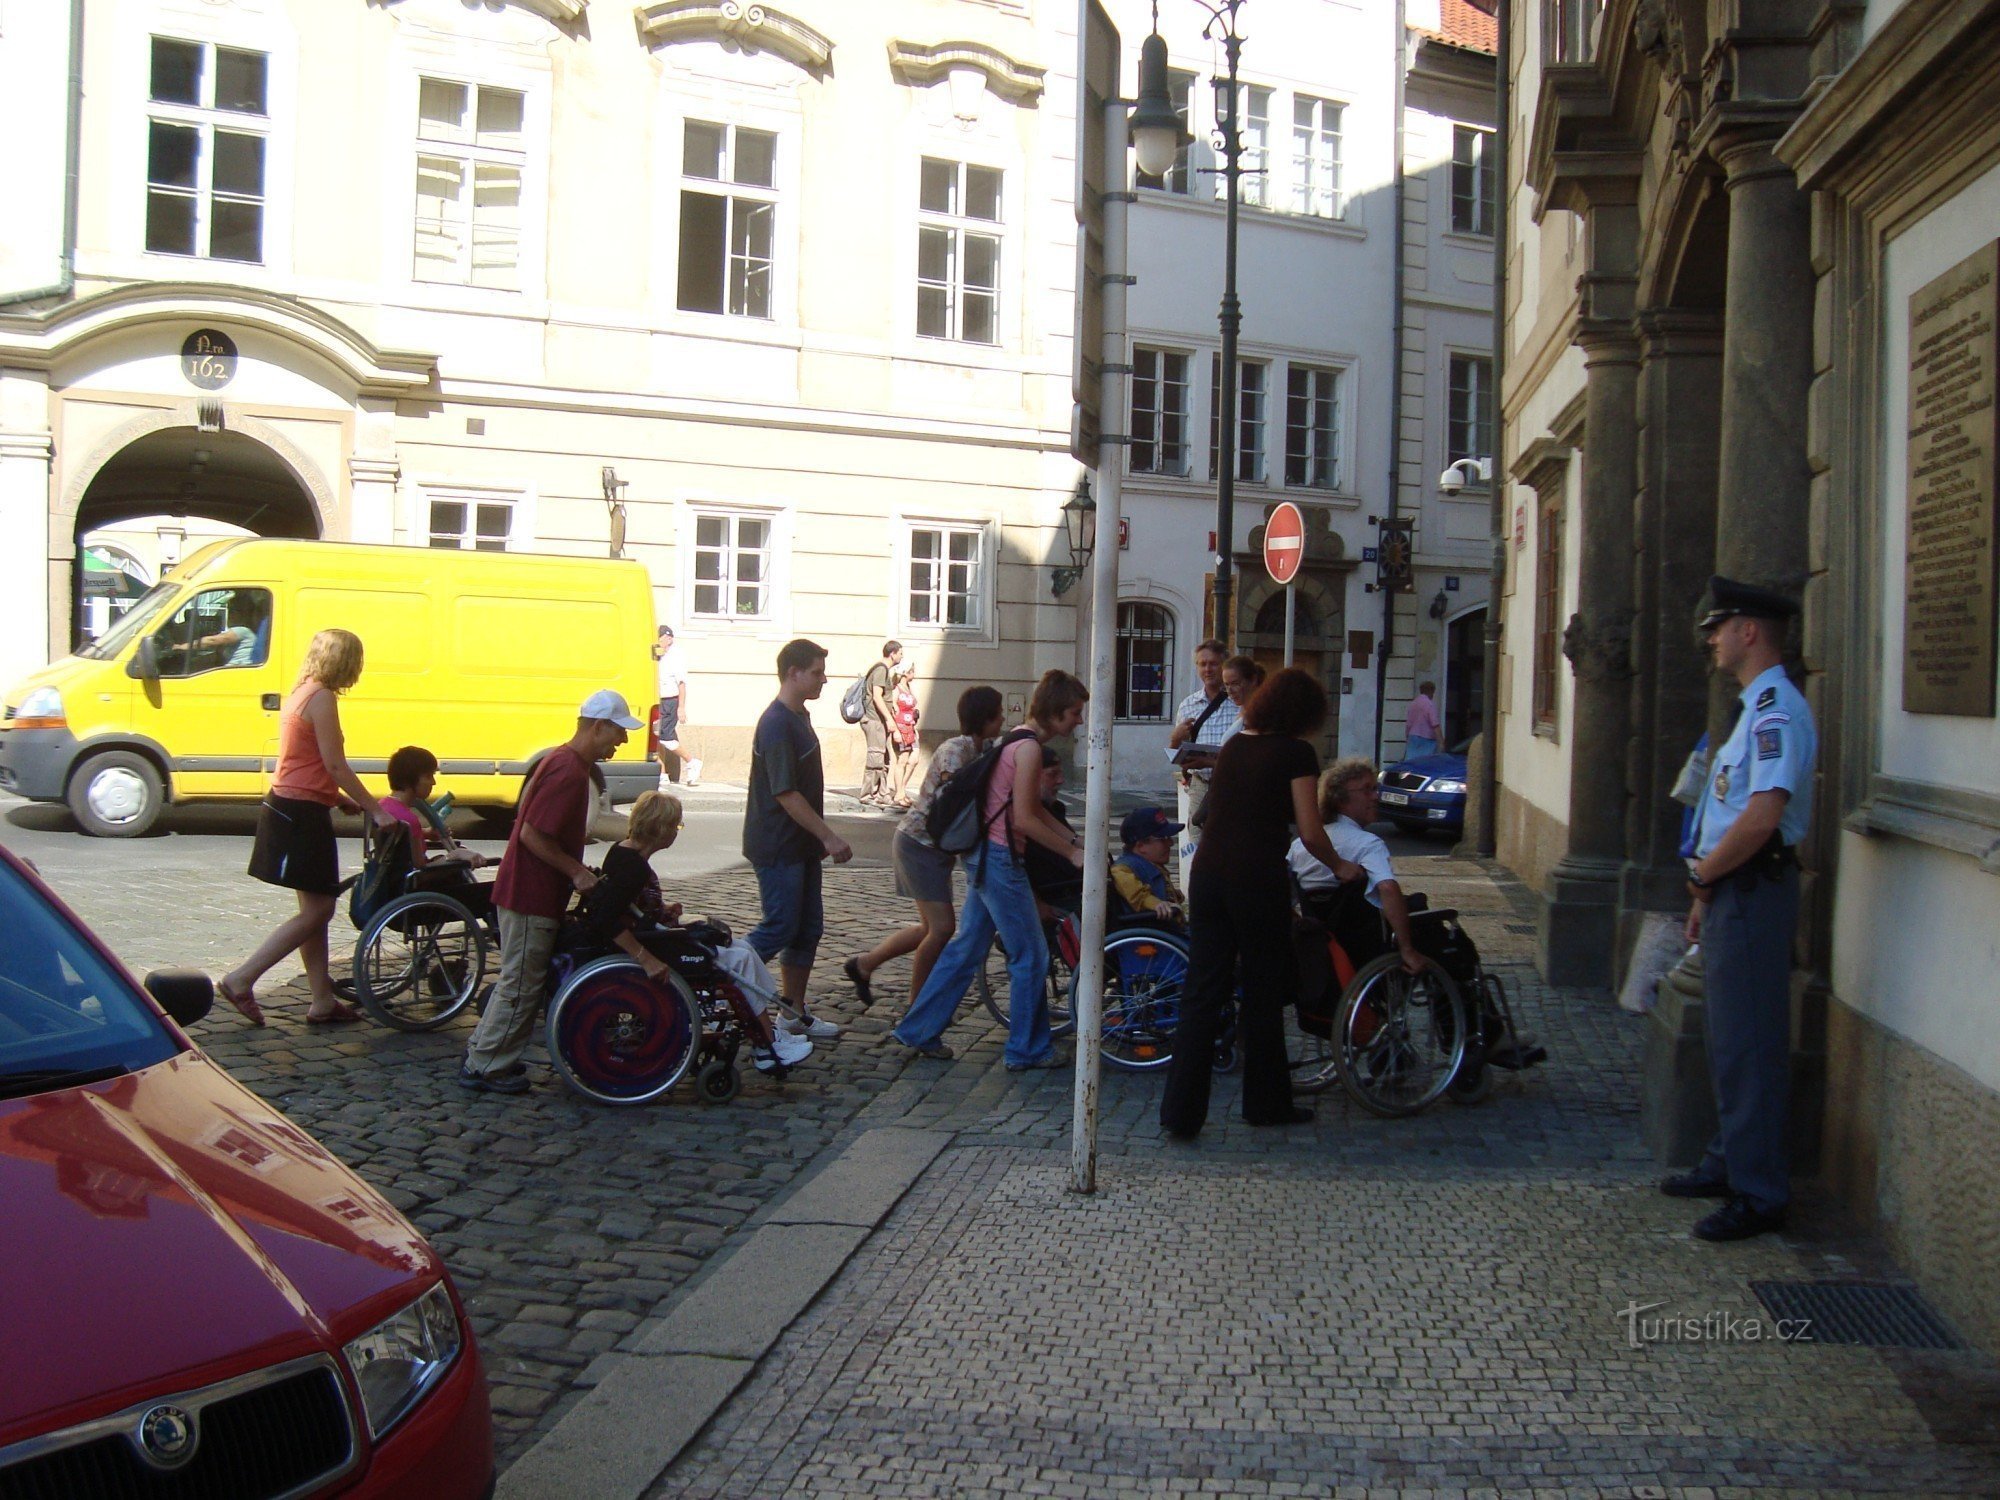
{"type": "Point", "coordinates": [812, 1026]}
{"type": "Point", "coordinates": [791, 1050]}
{"type": "Point", "coordinates": [665, 784]}
{"type": "Point", "coordinates": [691, 772]}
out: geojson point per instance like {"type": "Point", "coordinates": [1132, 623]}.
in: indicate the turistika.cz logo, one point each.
{"type": "Point", "coordinates": [1707, 1328]}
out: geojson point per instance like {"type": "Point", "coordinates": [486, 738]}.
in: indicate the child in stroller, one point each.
{"type": "Point", "coordinates": [627, 910]}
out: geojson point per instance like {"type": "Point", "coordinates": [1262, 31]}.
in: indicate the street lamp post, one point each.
{"type": "Point", "coordinates": [1150, 134]}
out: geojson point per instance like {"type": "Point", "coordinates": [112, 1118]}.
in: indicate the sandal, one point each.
{"type": "Point", "coordinates": [245, 1001]}
{"type": "Point", "coordinates": [340, 1015]}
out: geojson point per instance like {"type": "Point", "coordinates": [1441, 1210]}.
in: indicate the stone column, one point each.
{"type": "Point", "coordinates": [1680, 406]}
{"type": "Point", "coordinates": [372, 508]}
{"type": "Point", "coordinates": [29, 568]}
{"type": "Point", "coordinates": [1580, 903]}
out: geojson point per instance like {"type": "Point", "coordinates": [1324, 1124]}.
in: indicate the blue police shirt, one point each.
{"type": "Point", "coordinates": [1771, 749]}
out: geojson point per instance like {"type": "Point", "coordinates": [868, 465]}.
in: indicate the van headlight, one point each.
{"type": "Point", "coordinates": [41, 709]}
{"type": "Point", "coordinates": [403, 1356]}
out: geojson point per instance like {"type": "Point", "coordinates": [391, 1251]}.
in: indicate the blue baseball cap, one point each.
{"type": "Point", "coordinates": [1146, 823]}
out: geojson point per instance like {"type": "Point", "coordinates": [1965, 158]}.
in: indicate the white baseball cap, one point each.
{"type": "Point", "coordinates": [605, 704]}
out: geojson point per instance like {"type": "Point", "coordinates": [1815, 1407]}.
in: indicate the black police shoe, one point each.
{"type": "Point", "coordinates": [1695, 1185]}
{"type": "Point", "coordinates": [1737, 1220]}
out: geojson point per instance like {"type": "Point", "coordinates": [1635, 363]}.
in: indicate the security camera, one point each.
{"type": "Point", "coordinates": [1452, 480]}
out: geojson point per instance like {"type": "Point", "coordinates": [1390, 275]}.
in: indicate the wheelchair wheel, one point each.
{"type": "Point", "coordinates": [1310, 1056]}
{"type": "Point", "coordinates": [1401, 1037]}
{"type": "Point", "coordinates": [419, 961]}
{"type": "Point", "coordinates": [618, 1037]}
{"type": "Point", "coordinates": [1145, 981]}
{"type": "Point", "coordinates": [991, 984]}
{"type": "Point", "coordinates": [718, 1081]}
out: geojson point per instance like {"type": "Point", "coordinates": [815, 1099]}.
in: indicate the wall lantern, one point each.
{"type": "Point", "coordinates": [1079, 515]}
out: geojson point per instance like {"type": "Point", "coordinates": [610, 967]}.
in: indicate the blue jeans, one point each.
{"type": "Point", "coordinates": [997, 899]}
{"type": "Point", "coordinates": [794, 914]}
{"type": "Point", "coordinates": [1420, 745]}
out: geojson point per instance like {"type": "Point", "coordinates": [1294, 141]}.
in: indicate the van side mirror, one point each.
{"type": "Point", "coordinates": [145, 662]}
{"type": "Point", "coordinates": [185, 994]}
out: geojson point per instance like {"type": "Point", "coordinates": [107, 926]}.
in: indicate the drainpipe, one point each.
{"type": "Point", "coordinates": [72, 171]}
{"type": "Point", "coordinates": [1503, 95]}
{"type": "Point", "coordinates": [1395, 383]}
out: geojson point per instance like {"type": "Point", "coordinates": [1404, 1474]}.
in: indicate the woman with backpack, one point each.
{"type": "Point", "coordinates": [923, 871]}
{"type": "Point", "coordinates": [997, 896]}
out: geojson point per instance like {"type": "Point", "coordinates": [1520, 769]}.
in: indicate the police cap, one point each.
{"type": "Point", "coordinates": [1728, 598]}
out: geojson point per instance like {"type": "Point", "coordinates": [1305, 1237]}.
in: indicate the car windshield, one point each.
{"type": "Point", "coordinates": [64, 1011]}
{"type": "Point", "coordinates": [134, 620]}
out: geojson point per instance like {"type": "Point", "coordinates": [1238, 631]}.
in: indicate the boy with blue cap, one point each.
{"type": "Point", "coordinates": [1139, 874]}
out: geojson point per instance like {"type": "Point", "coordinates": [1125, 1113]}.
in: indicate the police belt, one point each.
{"type": "Point", "coordinates": [1768, 863]}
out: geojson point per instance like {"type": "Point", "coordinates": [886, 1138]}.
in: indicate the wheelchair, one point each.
{"type": "Point", "coordinates": [1397, 1042]}
{"type": "Point", "coordinates": [421, 955]}
{"type": "Point", "coordinates": [1145, 980]}
{"type": "Point", "coordinates": [617, 1037]}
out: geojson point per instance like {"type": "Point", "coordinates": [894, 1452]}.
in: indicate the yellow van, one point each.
{"type": "Point", "coordinates": [481, 657]}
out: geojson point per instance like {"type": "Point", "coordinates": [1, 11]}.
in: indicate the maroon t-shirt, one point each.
{"type": "Point", "coordinates": [557, 803]}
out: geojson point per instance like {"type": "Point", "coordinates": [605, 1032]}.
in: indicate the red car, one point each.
{"type": "Point", "coordinates": [196, 1299]}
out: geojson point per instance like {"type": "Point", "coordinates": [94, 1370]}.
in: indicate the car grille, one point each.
{"type": "Point", "coordinates": [288, 1433]}
{"type": "Point", "coordinates": [1405, 781]}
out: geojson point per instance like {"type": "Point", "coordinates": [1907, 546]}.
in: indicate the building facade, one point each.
{"type": "Point", "coordinates": [1751, 330]}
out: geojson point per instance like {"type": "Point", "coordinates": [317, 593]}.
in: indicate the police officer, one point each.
{"type": "Point", "coordinates": [1744, 880]}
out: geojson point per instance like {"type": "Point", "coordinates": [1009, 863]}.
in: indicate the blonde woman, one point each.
{"type": "Point", "coordinates": [295, 846]}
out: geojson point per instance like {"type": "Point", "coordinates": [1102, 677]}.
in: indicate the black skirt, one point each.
{"type": "Point", "coordinates": [295, 846]}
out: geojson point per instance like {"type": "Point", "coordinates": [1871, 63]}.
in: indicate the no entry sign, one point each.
{"type": "Point", "coordinates": [1284, 543]}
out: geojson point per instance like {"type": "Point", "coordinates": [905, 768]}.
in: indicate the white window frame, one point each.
{"type": "Point", "coordinates": [1122, 670]}
{"type": "Point", "coordinates": [1316, 157]}
{"type": "Point", "coordinates": [1253, 188]}
{"type": "Point", "coordinates": [1252, 417]}
{"type": "Point", "coordinates": [205, 119]}
{"type": "Point", "coordinates": [982, 628]}
{"type": "Point", "coordinates": [738, 198]}
{"type": "Point", "coordinates": [960, 226]}
{"type": "Point", "coordinates": [1481, 367]}
{"type": "Point", "coordinates": [1477, 192]}
{"type": "Point", "coordinates": [1338, 375]}
{"type": "Point", "coordinates": [470, 155]}
{"type": "Point", "coordinates": [1159, 412]}
{"type": "Point", "coordinates": [520, 505]}
{"type": "Point", "coordinates": [733, 516]}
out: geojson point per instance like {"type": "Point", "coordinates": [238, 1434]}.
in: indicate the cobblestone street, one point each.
{"type": "Point", "coordinates": [1361, 1306]}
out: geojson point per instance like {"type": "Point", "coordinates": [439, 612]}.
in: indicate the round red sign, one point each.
{"type": "Point", "coordinates": [1284, 543]}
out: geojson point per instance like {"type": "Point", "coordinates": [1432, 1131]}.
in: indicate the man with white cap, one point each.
{"type": "Point", "coordinates": [542, 865]}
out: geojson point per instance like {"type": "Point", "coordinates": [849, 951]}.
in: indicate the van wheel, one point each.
{"type": "Point", "coordinates": [116, 795]}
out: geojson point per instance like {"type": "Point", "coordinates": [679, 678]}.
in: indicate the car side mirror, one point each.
{"type": "Point", "coordinates": [185, 994]}
{"type": "Point", "coordinates": [145, 662]}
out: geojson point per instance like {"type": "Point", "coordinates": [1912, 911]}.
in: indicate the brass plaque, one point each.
{"type": "Point", "coordinates": [1951, 583]}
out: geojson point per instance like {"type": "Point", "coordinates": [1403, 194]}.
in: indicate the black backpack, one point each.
{"type": "Point", "coordinates": [956, 820]}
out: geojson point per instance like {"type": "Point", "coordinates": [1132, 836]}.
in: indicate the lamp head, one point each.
{"type": "Point", "coordinates": [1157, 132]}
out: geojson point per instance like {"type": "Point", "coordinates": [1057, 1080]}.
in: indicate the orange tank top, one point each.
{"type": "Point", "coordinates": [301, 772]}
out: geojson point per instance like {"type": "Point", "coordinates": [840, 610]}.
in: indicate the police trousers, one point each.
{"type": "Point", "coordinates": [1746, 949]}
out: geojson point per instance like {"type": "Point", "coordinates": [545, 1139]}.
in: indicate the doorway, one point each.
{"type": "Point", "coordinates": [1465, 677]}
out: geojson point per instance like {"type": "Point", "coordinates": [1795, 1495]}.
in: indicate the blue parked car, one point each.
{"type": "Point", "coordinates": [1428, 792]}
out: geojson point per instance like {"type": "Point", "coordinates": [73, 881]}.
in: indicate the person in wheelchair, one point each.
{"type": "Point", "coordinates": [1356, 914]}
{"type": "Point", "coordinates": [627, 910]}
{"type": "Point", "coordinates": [438, 862]}
{"type": "Point", "coordinates": [1139, 874]}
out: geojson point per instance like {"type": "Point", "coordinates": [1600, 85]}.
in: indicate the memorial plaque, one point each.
{"type": "Point", "coordinates": [1950, 583]}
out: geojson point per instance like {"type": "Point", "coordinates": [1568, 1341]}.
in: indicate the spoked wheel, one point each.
{"type": "Point", "coordinates": [1402, 1037]}
{"type": "Point", "coordinates": [620, 1038]}
{"type": "Point", "coordinates": [1145, 983]}
{"type": "Point", "coordinates": [991, 985]}
{"type": "Point", "coordinates": [419, 962]}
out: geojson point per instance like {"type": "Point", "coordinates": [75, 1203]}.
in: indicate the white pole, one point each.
{"type": "Point", "coordinates": [1291, 593]}
{"type": "Point", "coordinates": [1103, 621]}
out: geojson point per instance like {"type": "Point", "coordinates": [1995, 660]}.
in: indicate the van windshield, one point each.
{"type": "Point", "coordinates": [134, 620]}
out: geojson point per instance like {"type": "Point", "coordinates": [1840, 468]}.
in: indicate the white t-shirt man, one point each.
{"type": "Point", "coordinates": [672, 672]}
{"type": "Point", "coordinates": [1350, 841]}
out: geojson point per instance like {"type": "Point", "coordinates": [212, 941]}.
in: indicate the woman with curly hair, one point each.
{"type": "Point", "coordinates": [295, 846]}
{"type": "Point", "coordinates": [1240, 904]}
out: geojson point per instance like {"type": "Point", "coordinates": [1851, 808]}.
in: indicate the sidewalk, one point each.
{"type": "Point", "coordinates": [1473, 1302]}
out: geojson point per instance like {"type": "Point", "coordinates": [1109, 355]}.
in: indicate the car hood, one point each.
{"type": "Point", "coordinates": [1443, 763]}
{"type": "Point", "coordinates": [57, 674]}
{"type": "Point", "coordinates": [168, 1228]}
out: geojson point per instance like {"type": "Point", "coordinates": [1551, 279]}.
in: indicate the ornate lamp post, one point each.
{"type": "Point", "coordinates": [1158, 134]}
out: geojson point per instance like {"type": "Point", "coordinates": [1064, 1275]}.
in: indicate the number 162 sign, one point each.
{"type": "Point", "coordinates": [208, 359]}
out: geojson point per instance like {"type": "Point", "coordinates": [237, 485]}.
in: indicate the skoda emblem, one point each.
{"type": "Point", "coordinates": [166, 1436]}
